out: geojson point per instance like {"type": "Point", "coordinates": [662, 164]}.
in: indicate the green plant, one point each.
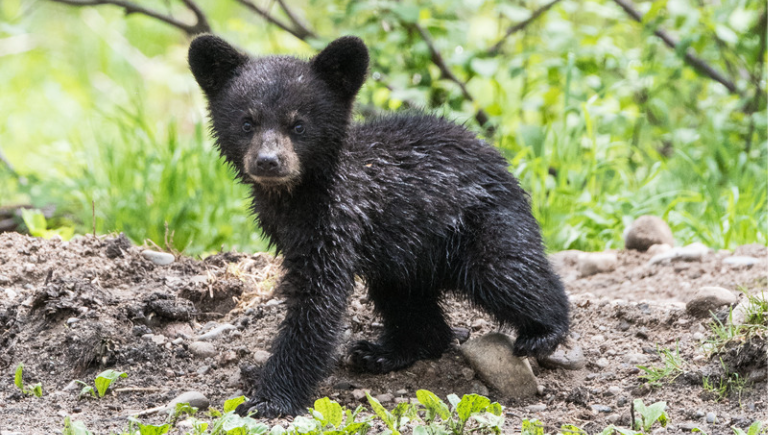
{"type": "Point", "coordinates": [673, 367]}
{"type": "Point", "coordinates": [75, 427]}
{"type": "Point", "coordinates": [756, 310]}
{"type": "Point", "coordinates": [648, 415]}
{"type": "Point", "coordinates": [102, 382]}
{"type": "Point", "coordinates": [755, 428]}
{"type": "Point", "coordinates": [38, 226]}
{"type": "Point", "coordinates": [471, 409]}
{"type": "Point", "coordinates": [18, 380]}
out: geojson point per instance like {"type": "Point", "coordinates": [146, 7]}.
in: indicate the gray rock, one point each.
{"type": "Point", "coordinates": [647, 231]}
{"type": "Point", "coordinates": [478, 387]}
{"type": "Point", "coordinates": [358, 394]}
{"type": "Point", "coordinates": [635, 359]}
{"type": "Point", "coordinates": [385, 398]}
{"type": "Point", "coordinates": [72, 320]}
{"type": "Point", "coordinates": [692, 252]}
{"type": "Point", "coordinates": [590, 263]}
{"type": "Point", "coordinates": [740, 261]}
{"type": "Point", "coordinates": [711, 418]}
{"type": "Point", "coordinates": [613, 390]}
{"type": "Point", "coordinates": [10, 294]}
{"type": "Point", "coordinates": [467, 373]}
{"type": "Point", "coordinates": [739, 313]}
{"type": "Point", "coordinates": [202, 349]}
{"type": "Point", "coordinates": [709, 299]}
{"type": "Point", "coordinates": [659, 249]}
{"type": "Point", "coordinates": [601, 408]}
{"type": "Point", "coordinates": [539, 407]}
{"type": "Point", "coordinates": [4, 280]}
{"type": "Point", "coordinates": [216, 332]}
{"type": "Point", "coordinates": [492, 359]}
{"type": "Point", "coordinates": [569, 358]}
{"type": "Point", "coordinates": [203, 370]}
{"type": "Point", "coordinates": [602, 363]}
{"type": "Point", "coordinates": [159, 258]}
{"type": "Point", "coordinates": [194, 398]}
{"type": "Point", "coordinates": [260, 357]}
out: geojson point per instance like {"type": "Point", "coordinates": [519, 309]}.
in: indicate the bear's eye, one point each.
{"type": "Point", "coordinates": [247, 126]}
{"type": "Point", "coordinates": [299, 129]}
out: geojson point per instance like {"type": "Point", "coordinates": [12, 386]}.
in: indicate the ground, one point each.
{"type": "Point", "coordinates": [69, 310]}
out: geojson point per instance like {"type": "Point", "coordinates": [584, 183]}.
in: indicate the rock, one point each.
{"type": "Point", "coordinates": [709, 299]}
{"type": "Point", "coordinates": [539, 407]}
{"type": "Point", "coordinates": [740, 312]}
{"type": "Point", "coordinates": [159, 258]}
{"type": "Point", "coordinates": [10, 294]}
{"type": "Point", "coordinates": [202, 349]}
{"type": "Point", "coordinates": [343, 385]}
{"type": "Point", "coordinates": [740, 261]}
{"type": "Point", "coordinates": [570, 358]}
{"type": "Point", "coordinates": [602, 363]}
{"type": "Point", "coordinates": [492, 359]}
{"type": "Point", "coordinates": [4, 280]}
{"type": "Point", "coordinates": [590, 263]}
{"type": "Point", "coordinates": [601, 408]}
{"type": "Point", "coordinates": [467, 373]}
{"type": "Point", "coordinates": [647, 231]}
{"type": "Point", "coordinates": [613, 390]}
{"type": "Point", "coordinates": [195, 399]}
{"type": "Point", "coordinates": [659, 249]}
{"type": "Point", "coordinates": [461, 334]}
{"type": "Point", "coordinates": [385, 398]}
{"type": "Point", "coordinates": [203, 370]}
{"type": "Point", "coordinates": [116, 247]}
{"type": "Point", "coordinates": [216, 332]}
{"type": "Point", "coordinates": [692, 252]}
{"type": "Point", "coordinates": [579, 396]}
{"type": "Point", "coordinates": [260, 357]}
{"type": "Point", "coordinates": [711, 418]}
{"type": "Point", "coordinates": [478, 387]}
{"type": "Point", "coordinates": [158, 339]}
{"type": "Point", "coordinates": [635, 358]}
{"type": "Point", "coordinates": [358, 394]}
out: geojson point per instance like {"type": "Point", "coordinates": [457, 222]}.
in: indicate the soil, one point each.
{"type": "Point", "coordinates": [69, 310]}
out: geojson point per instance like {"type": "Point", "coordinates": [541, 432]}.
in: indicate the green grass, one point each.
{"type": "Point", "coordinates": [674, 366]}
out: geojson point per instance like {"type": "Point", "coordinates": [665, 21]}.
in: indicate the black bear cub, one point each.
{"type": "Point", "coordinates": [413, 204]}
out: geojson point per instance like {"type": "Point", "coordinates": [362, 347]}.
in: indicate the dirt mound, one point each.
{"type": "Point", "coordinates": [71, 309]}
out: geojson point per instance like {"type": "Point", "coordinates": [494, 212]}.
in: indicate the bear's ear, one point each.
{"type": "Point", "coordinates": [213, 62]}
{"type": "Point", "coordinates": [343, 65]}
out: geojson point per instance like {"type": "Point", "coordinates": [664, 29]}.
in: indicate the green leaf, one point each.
{"type": "Point", "coordinates": [382, 412]}
{"type": "Point", "coordinates": [470, 404]}
{"type": "Point", "coordinates": [572, 429]}
{"type": "Point", "coordinates": [17, 379]}
{"type": "Point", "coordinates": [151, 429]}
{"type": "Point", "coordinates": [87, 390]}
{"type": "Point", "coordinates": [76, 427]}
{"type": "Point", "coordinates": [233, 403]}
{"type": "Point", "coordinates": [105, 379]}
{"type": "Point", "coordinates": [532, 427]}
{"type": "Point", "coordinates": [453, 400]}
{"type": "Point", "coordinates": [330, 410]}
{"type": "Point", "coordinates": [434, 405]}
{"type": "Point", "coordinates": [755, 428]}
{"type": "Point", "coordinates": [37, 389]}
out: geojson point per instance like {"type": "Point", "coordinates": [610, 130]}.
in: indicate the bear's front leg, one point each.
{"type": "Point", "coordinates": [303, 351]}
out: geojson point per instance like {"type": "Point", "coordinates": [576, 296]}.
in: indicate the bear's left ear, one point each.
{"type": "Point", "coordinates": [343, 65]}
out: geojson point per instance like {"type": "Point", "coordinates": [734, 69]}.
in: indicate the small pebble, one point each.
{"type": "Point", "coordinates": [711, 418]}
{"type": "Point", "coordinates": [602, 363]}
{"type": "Point", "coordinates": [216, 332]}
{"type": "Point", "coordinates": [539, 407]}
{"type": "Point", "coordinates": [601, 408]}
{"type": "Point", "coordinates": [72, 320]}
{"type": "Point", "coordinates": [385, 398]}
{"type": "Point", "coordinates": [159, 258]}
{"type": "Point", "coordinates": [613, 390]}
{"type": "Point", "coordinates": [195, 399]}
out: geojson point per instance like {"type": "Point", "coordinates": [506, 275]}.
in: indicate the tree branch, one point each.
{"type": "Point", "coordinates": [445, 71]}
{"type": "Point", "coordinates": [300, 33]}
{"type": "Point", "coordinates": [493, 51]}
{"type": "Point", "coordinates": [301, 28]}
{"type": "Point", "coordinates": [200, 26]}
{"type": "Point", "coordinates": [690, 58]}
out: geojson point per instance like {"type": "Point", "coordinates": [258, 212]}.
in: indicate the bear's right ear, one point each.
{"type": "Point", "coordinates": [213, 62]}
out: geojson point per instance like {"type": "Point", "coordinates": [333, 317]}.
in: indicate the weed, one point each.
{"type": "Point", "coordinates": [725, 385]}
{"type": "Point", "coordinates": [18, 380]}
{"type": "Point", "coordinates": [103, 381]}
{"type": "Point", "coordinates": [673, 367]}
{"type": "Point", "coordinates": [38, 226]}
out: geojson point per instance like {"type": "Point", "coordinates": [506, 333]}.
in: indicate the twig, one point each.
{"type": "Point", "coordinates": [300, 33]}
{"type": "Point", "coordinates": [691, 59]}
{"type": "Point", "coordinates": [93, 216]}
{"type": "Point", "coordinates": [298, 23]}
{"type": "Point", "coordinates": [493, 51]}
{"type": "Point", "coordinates": [437, 59]}
{"type": "Point", "coordinates": [200, 26]}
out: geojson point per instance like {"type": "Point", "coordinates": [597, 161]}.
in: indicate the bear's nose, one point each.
{"type": "Point", "coordinates": [267, 164]}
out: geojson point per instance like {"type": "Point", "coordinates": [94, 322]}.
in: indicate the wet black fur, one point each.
{"type": "Point", "coordinates": [414, 204]}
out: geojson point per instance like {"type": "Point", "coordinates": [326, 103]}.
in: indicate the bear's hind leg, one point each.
{"type": "Point", "coordinates": [414, 329]}
{"type": "Point", "coordinates": [508, 276]}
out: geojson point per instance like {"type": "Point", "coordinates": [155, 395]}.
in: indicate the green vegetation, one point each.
{"type": "Point", "coordinates": [18, 380]}
{"type": "Point", "coordinates": [601, 120]}
{"type": "Point", "coordinates": [673, 367]}
{"type": "Point", "coordinates": [103, 381]}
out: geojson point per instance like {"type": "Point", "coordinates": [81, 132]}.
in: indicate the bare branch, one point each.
{"type": "Point", "coordinates": [298, 33]}
{"type": "Point", "coordinates": [690, 58]}
{"type": "Point", "coordinates": [437, 59]}
{"type": "Point", "coordinates": [301, 28]}
{"type": "Point", "coordinates": [520, 26]}
{"type": "Point", "coordinates": [200, 26]}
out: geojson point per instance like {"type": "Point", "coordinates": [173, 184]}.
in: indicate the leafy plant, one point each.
{"type": "Point", "coordinates": [18, 380]}
{"type": "Point", "coordinates": [38, 226]}
{"type": "Point", "coordinates": [673, 367]}
{"type": "Point", "coordinates": [755, 428]}
{"type": "Point", "coordinates": [647, 416]}
{"type": "Point", "coordinates": [75, 427]}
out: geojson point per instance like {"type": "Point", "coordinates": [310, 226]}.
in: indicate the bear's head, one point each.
{"type": "Point", "coordinates": [278, 120]}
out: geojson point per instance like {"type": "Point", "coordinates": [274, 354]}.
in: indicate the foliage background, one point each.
{"type": "Point", "coordinates": [601, 121]}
